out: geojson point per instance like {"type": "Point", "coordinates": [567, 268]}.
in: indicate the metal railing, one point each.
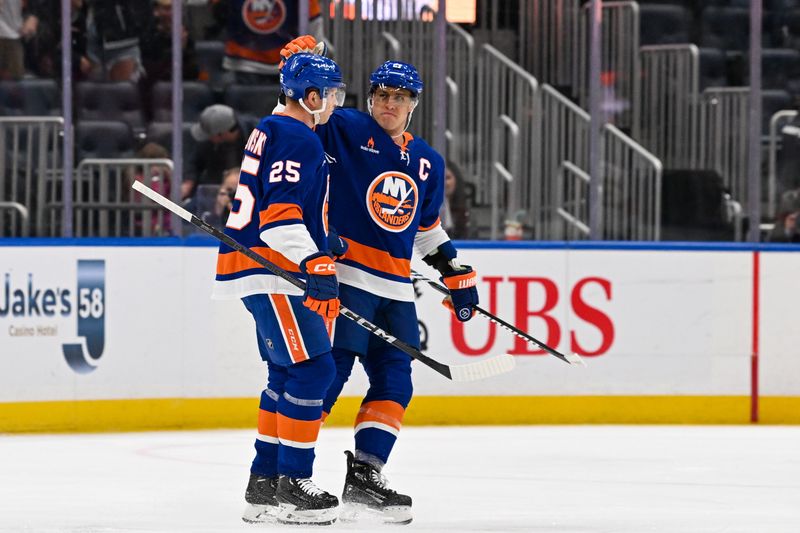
{"type": "Point", "coordinates": [547, 35]}
{"type": "Point", "coordinates": [776, 123]}
{"type": "Point", "coordinates": [574, 206]}
{"type": "Point", "coordinates": [104, 205]}
{"type": "Point", "coordinates": [724, 125]}
{"type": "Point", "coordinates": [664, 114]}
{"type": "Point", "coordinates": [507, 101]}
{"type": "Point", "coordinates": [30, 167]}
{"type": "Point", "coordinates": [9, 225]}
{"type": "Point", "coordinates": [564, 137]}
{"type": "Point", "coordinates": [620, 61]}
{"type": "Point", "coordinates": [631, 189]}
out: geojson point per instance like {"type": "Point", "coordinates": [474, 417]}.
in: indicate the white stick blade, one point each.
{"type": "Point", "coordinates": [483, 369]}
{"type": "Point", "coordinates": [575, 359]}
{"type": "Point", "coordinates": [160, 200]}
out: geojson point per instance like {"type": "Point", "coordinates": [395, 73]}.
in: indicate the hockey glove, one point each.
{"type": "Point", "coordinates": [336, 244]}
{"type": "Point", "coordinates": [463, 294]}
{"type": "Point", "coordinates": [322, 289]}
{"type": "Point", "coordinates": [305, 43]}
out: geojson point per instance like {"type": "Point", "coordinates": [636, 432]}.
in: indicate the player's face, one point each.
{"type": "Point", "coordinates": [390, 108]}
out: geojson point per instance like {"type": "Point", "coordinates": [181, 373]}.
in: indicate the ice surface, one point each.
{"type": "Point", "coordinates": [565, 479]}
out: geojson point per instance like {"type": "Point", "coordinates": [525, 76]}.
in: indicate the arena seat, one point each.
{"type": "Point", "coordinates": [196, 97]}
{"type": "Point", "coordinates": [252, 101]}
{"type": "Point", "coordinates": [109, 101]}
{"type": "Point", "coordinates": [664, 24]}
{"type": "Point", "coordinates": [36, 97]}
{"type": "Point", "coordinates": [161, 133]}
{"type": "Point", "coordinates": [209, 59]}
{"type": "Point", "coordinates": [725, 27]}
{"type": "Point", "coordinates": [103, 139]}
{"type": "Point", "coordinates": [713, 68]}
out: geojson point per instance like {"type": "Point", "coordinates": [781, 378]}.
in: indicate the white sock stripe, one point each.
{"type": "Point", "coordinates": [272, 394]}
{"type": "Point", "coordinates": [377, 425]}
{"type": "Point", "coordinates": [301, 445]}
{"type": "Point", "coordinates": [301, 402]}
{"type": "Point", "coordinates": [267, 438]}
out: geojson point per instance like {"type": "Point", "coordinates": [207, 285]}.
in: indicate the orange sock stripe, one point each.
{"type": "Point", "coordinates": [324, 416]}
{"type": "Point", "coordinates": [298, 430]}
{"type": "Point", "coordinates": [267, 423]}
{"type": "Point", "coordinates": [289, 328]}
{"type": "Point", "coordinates": [383, 411]}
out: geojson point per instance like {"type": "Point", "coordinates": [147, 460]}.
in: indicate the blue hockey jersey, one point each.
{"type": "Point", "coordinates": [279, 211]}
{"type": "Point", "coordinates": [384, 200]}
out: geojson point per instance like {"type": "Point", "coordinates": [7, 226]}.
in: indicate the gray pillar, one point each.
{"type": "Point", "coordinates": [596, 124]}
{"type": "Point", "coordinates": [440, 80]}
{"type": "Point", "coordinates": [177, 111]}
{"type": "Point", "coordinates": [754, 142]}
{"type": "Point", "coordinates": [66, 104]}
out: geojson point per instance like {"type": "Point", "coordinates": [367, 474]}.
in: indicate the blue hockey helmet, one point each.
{"type": "Point", "coordinates": [305, 71]}
{"type": "Point", "coordinates": [398, 75]}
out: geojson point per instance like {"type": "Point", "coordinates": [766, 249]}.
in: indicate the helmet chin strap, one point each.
{"type": "Point", "coordinates": [316, 113]}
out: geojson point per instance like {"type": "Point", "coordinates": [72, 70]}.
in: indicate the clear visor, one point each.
{"type": "Point", "coordinates": [335, 95]}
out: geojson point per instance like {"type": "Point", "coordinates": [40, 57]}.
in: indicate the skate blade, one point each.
{"type": "Point", "coordinates": [288, 514]}
{"type": "Point", "coordinates": [353, 512]}
{"type": "Point", "coordinates": [259, 514]}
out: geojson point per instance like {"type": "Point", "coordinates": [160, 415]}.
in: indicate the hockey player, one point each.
{"type": "Point", "coordinates": [386, 192]}
{"type": "Point", "coordinates": [279, 212]}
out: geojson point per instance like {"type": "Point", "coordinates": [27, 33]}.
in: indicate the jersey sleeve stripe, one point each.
{"type": "Point", "coordinates": [377, 259]}
{"type": "Point", "coordinates": [235, 262]}
{"type": "Point", "coordinates": [250, 165]}
{"type": "Point", "coordinates": [280, 212]}
{"type": "Point", "coordinates": [428, 228]}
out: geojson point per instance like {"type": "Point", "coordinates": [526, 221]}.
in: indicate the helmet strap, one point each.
{"type": "Point", "coordinates": [316, 113]}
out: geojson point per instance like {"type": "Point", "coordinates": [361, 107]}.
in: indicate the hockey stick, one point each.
{"type": "Point", "coordinates": [570, 358]}
{"type": "Point", "coordinates": [485, 368]}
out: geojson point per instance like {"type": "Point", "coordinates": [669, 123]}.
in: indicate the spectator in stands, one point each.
{"type": "Point", "coordinates": [113, 31]}
{"type": "Point", "coordinates": [454, 213]}
{"type": "Point", "coordinates": [220, 137]}
{"type": "Point", "coordinates": [158, 178]}
{"type": "Point", "coordinates": [156, 46]}
{"type": "Point", "coordinates": [256, 33]}
{"type": "Point", "coordinates": [43, 51]}
{"type": "Point", "coordinates": [16, 24]}
{"type": "Point", "coordinates": [787, 223]}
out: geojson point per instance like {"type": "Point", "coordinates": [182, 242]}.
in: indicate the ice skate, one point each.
{"type": "Point", "coordinates": [260, 497]}
{"type": "Point", "coordinates": [367, 495]}
{"type": "Point", "coordinates": [302, 502]}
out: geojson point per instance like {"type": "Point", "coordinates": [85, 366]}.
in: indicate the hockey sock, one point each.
{"type": "Point", "coordinates": [344, 360]}
{"type": "Point", "coordinates": [299, 414]}
{"type": "Point", "coordinates": [377, 426]}
{"type": "Point", "coordinates": [266, 461]}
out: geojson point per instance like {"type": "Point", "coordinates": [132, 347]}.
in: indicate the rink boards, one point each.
{"type": "Point", "coordinates": [102, 335]}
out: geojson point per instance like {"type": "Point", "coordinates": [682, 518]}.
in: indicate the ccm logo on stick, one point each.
{"type": "Point", "coordinates": [542, 310]}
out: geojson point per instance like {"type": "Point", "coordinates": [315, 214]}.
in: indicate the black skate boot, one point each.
{"type": "Point", "coordinates": [366, 493]}
{"type": "Point", "coordinates": [302, 502]}
{"type": "Point", "coordinates": [260, 497]}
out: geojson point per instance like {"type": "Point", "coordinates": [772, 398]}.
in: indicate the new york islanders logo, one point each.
{"type": "Point", "coordinates": [264, 16]}
{"type": "Point", "coordinates": [392, 200]}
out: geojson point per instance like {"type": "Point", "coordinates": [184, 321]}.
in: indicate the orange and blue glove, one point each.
{"type": "Point", "coordinates": [304, 43]}
{"type": "Point", "coordinates": [463, 293]}
{"type": "Point", "coordinates": [322, 288]}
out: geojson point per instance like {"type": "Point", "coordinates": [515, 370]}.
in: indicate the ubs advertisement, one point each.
{"type": "Point", "coordinates": [94, 322]}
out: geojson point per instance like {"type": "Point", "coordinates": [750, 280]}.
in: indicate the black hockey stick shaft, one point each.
{"type": "Point", "coordinates": [441, 368]}
{"type": "Point", "coordinates": [499, 321]}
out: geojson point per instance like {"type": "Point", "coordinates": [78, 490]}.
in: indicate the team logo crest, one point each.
{"type": "Point", "coordinates": [392, 201]}
{"type": "Point", "coordinates": [264, 16]}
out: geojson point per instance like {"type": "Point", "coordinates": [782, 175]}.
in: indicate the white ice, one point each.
{"type": "Point", "coordinates": [565, 479]}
